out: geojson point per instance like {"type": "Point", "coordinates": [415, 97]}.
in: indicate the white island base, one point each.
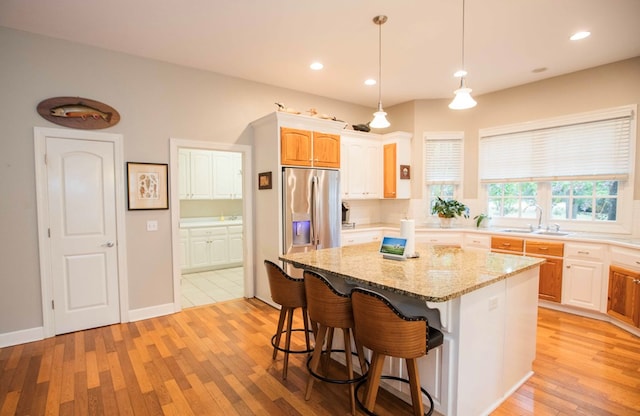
{"type": "Point", "coordinates": [488, 349]}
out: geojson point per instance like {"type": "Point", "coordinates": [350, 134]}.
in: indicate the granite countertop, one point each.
{"type": "Point", "coordinates": [209, 222]}
{"type": "Point", "coordinates": [440, 273]}
{"type": "Point", "coordinates": [616, 239]}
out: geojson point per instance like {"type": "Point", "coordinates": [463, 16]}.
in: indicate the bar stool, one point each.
{"type": "Point", "coordinates": [330, 308]}
{"type": "Point", "coordinates": [386, 331]}
{"type": "Point", "coordinates": [288, 292]}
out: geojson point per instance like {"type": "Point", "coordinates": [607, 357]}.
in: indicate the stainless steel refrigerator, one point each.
{"type": "Point", "coordinates": [311, 209]}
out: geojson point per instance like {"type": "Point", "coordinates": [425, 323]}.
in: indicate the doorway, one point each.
{"type": "Point", "coordinates": [80, 206]}
{"type": "Point", "coordinates": [212, 259]}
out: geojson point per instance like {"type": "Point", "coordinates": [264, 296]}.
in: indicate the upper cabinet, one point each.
{"type": "Point", "coordinates": [396, 153]}
{"type": "Point", "coordinates": [195, 174]}
{"type": "Point", "coordinates": [207, 174]}
{"type": "Point", "coordinates": [309, 148]}
{"type": "Point", "coordinates": [360, 173]}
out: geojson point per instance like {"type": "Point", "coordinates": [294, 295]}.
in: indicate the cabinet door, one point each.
{"type": "Point", "coordinates": [582, 282]}
{"type": "Point", "coordinates": [219, 249]}
{"type": "Point", "coordinates": [235, 247]}
{"type": "Point", "coordinates": [550, 286]}
{"type": "Point", "coordinates": [236, 175]}
{"type": "Point", "coordinates": [389, 168]}
{"type": "Point", "coordinates": [222, 175]}
{"type": "Point", "coordinates": [295, 147]}
{"type": "Point", "coordinates": [184, 172]}
{"type": "Point", "coordinates": [184, 249]}
{"type": "Point", "coordinates": [326, 150]}
{"type": "Point", "coordinates": [201, 174]}
{"type": "Point", "coordinates": [624, 295]}
{"type": "Point", "coordinates": [199, 251]}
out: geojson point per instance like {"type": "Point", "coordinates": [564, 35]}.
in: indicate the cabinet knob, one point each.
{"type": "Point", "coordinates": [568, 267]}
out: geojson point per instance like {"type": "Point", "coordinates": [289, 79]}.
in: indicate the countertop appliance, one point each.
{"type": "Point", "coordinates": [311, 209]}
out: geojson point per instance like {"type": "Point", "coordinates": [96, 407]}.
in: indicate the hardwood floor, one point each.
{"type": "Point", "coordinates": [216, 360]}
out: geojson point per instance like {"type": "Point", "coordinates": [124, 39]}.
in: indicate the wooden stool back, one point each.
{"type": "Point", "coordinates": [285, 290]}
{"type": "Point", "coordinates": [382, 328]}
{"type": "Point", "coordinates": [325, 304]}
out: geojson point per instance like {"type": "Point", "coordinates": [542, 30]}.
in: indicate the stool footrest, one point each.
{"type": "Point", "coordinates": [404, 380]}
{"type": "Point", "coordinates": [333, 380]}
{"type": "Point", "coordinates": [279, 348]}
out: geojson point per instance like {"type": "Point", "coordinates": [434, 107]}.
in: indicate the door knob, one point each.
{"type": "Point", "coordinates": [108, 244]}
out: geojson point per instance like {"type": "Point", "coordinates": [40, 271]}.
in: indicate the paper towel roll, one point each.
{"type": "Point", "coordinates": [408, 231]}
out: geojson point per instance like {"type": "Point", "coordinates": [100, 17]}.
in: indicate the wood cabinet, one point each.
{"type": "Point", "coordinates": [309, 148]}
{"type": "Point", "coordinates": [624, 295]}
{"type": "Point", "coordinates": [360, 173]}
{"type": "Point", "coordinates": [550, 284]}
{"type": "Point", "coordinates": [582, 280]}
{"type": "Point", "coordinates": [389, 170]}
{"type": "Point", "coordinates": [509, 245]}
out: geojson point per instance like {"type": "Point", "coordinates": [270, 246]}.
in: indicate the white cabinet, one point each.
{"type": "Point", "coordinates": [235, 244]}
{"type": "Point", "coordinates": [208, 246]}
{"type": "Point", "coordinates": [583, 279]}
{"type": "Point", "coordinates": [361, 166]}
{"type": "Point", "coordinates": [350, 238]}
{"type": "Point", "coordinates": [479, 242]}
{"type": "Point", "coordinates": [184, 249]}
{"type": "Point", "coordinates": [439, 238]}
{"type": "Point", "coordinates": [195, 174]}
{"type": "Point", "coordinates": [227, 175]}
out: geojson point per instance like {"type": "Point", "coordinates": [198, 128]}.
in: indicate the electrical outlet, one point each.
{"type": "Point", "coordinates": [493, 303]}
{"type": "Point", "coordinates": [152, 225]}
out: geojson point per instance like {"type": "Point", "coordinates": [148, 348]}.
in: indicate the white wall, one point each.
{"type": "Point", "coordinates": [156, 101]}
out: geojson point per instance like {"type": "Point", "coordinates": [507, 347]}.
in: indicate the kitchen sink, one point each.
{"type": "Point", "coordinates": [518, 230]}
{"type": "Point", "coordinates": [551, 233]}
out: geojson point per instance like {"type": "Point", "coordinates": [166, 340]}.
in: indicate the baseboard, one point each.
{"type": "Point", "coordinates": [151, 312]}
{"type": "Point", "coordinates": [23, 336]}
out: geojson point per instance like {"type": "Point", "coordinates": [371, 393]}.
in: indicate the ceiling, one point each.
{"type": "Point", "coordinates": [275, 41]}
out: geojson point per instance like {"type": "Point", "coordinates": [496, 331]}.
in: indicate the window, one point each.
{"type": "Point", "coordinates": [577, 169]}
{"type": "Point", "coordinates": [442, 166]}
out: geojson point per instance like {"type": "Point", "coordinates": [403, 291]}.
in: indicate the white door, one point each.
{"type": "Point", "coordinates": [81, 188]}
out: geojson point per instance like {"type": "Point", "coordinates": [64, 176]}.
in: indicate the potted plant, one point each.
{"type": "Point", "coordinates": [449, 209]}
{"type": "Point", "coordinates": [482, 220]}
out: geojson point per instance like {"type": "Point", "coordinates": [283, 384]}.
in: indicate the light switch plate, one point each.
{"type": "Point", "coordinates": [152, 225]}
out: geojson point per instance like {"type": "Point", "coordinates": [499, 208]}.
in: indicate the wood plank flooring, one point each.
{"type": "Point", "coordinates": [216, 360]}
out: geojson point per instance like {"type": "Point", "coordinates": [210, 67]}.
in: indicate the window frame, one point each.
{"type": "Point", "coordinates": [427, 185]}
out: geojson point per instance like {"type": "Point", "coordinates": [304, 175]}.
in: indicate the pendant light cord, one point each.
{"type": "Point", "coordinates": [380, 65]}
{"type": "Point", "coordinates": [463, 68]}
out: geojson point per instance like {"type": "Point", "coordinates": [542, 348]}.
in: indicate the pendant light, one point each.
{"type": "Point", "coordinates": [379, 117]}
{"type": "Point", "coordinates": [463, 99]}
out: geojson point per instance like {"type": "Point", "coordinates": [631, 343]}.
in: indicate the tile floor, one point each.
{"type": "Point", "coordinates": [212, 286]}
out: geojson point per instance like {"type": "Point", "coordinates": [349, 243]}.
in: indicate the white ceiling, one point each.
{"type": "Point", "coordinates": [274, 41]}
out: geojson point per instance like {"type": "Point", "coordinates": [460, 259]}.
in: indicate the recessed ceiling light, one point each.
{"type": "Point", "coordinates": [370, 81]}
{"type": "Point", "coordinates": [316, 66]}
{"type": "Point", "coordinates": [460, 73]}
{"type": "Point", "coordinates": [580, 35]}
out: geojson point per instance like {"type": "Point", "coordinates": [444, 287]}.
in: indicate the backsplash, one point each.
{"type": "Point", "coordinates": [210, 208]}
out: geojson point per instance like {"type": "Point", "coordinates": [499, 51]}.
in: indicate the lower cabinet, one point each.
{"type": "Point", "coordinates": [624, 295]}
{"type": "Point", "coordinates": [360, 237]}
{"type": "Point", "coordinates": [550, 284]}
{"type": "Point", "coordinates": [583, 280]}
{"type": "Point", "coordinates": [205, 248]}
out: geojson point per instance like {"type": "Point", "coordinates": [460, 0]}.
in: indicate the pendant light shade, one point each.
{"type": "Point", "coordinates": [379, 117]}
{"type": "Point", "coordinates": [462, 99]}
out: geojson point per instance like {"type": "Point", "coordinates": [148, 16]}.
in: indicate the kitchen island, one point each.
{"type": "Point", "coordinates": [484, 303]}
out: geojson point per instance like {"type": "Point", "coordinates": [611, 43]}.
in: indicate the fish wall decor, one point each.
{"type": "Point", "coordinates": [78, 113]}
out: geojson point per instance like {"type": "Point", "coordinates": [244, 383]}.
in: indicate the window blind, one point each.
{"type": "Point", "coordinates": [585, 148]}
{"type": "Point", "coordinates": [443, 157]}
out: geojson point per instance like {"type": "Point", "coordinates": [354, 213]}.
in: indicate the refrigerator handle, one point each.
{"type": "Point", "coordinates": [314, 206]}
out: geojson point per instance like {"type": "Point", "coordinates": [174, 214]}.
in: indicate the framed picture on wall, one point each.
{"type": "Point", "coordinates": [264, 180]}
{"type": "Point", "coordinates": [148, 186]}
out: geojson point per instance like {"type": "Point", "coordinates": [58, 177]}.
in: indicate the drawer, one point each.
{"type": "Point", "coordinates": [477, 241]}
{"type": "Point", "coordinates": [204, 232]}
{"type": "Point", "coordinates": [625, 257]}
{"type": "Point", "coordinates": [507, 244]}
{"type": "Point", "coordinates": [360, 237]}
{"type": "Point", "coordinates": [439, 238]}
{"type": "Point", "coordinates": [544, 248]}
{"type": "Point", "coordinates": [235, 229]}
{"type": "Point", "coordinates": [585, 251]}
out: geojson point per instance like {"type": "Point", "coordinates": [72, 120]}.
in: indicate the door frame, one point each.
{"type": "Point", "coordinates": [40, 135]}
{"type": "Point", "coordinates": [247, 210]}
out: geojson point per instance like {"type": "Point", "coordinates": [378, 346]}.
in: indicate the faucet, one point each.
{"type": "Point", "coordinates": [538, 209]}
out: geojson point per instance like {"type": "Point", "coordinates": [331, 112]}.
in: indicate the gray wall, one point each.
{"type": "Point", "coordinates": [156, 101]}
